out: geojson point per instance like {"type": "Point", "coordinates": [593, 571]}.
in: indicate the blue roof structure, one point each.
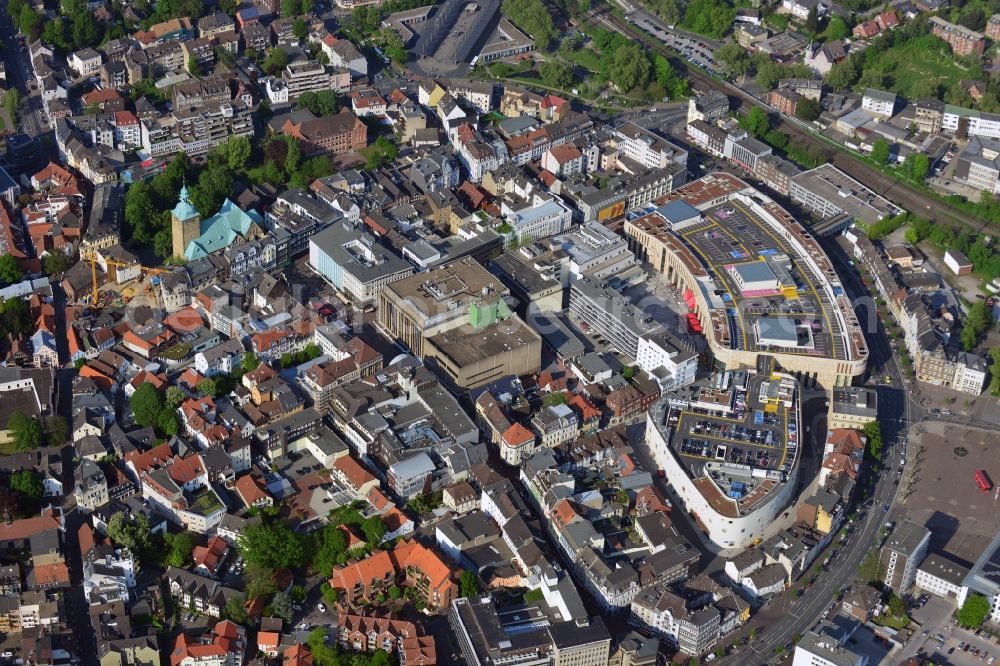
{"type": "Point", "coordinates": [678, 211]}
{"type": "Point", "coordinates": [184, 210]}
{"type": "Point", "coordinates": [221, 230]}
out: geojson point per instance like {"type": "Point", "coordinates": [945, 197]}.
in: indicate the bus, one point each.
{"type": "Point", "coordinates": [983, 480]}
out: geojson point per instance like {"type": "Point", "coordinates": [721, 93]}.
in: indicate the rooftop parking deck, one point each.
{"type": "Point", "coordinates": [737, 443]}
{"type": "Point", "coordinates": [732, 241]}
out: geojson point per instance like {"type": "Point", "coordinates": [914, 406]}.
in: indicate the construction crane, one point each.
{"type": "Point", "coordinates": [112, 263]}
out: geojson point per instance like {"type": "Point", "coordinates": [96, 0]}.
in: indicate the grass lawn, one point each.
{"type": "Point", "coordinates": [177, 352]}
{"type": "Point", "coordinates": [585, 58]}
{"type": "Point", "coordinates": [532, 596]}
{"type": "Point", "coordinates": [912, 64]}
{"type": "Point", "coordinates": [204, 502]}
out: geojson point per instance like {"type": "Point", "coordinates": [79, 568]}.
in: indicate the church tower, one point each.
{"type": "Point", "coordinates": [185, 224]}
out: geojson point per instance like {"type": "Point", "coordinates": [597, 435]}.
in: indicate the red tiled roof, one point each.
{"type": "Point", "coordinates": [250, 489]}
{"type": "Point", "coordinates": [48, 574]}
{"type": "Point", "coordinates": [517, 435]}
{"type": "Point", "coordinates": [353, 471]}
{"type": "Point", "coordinates": [210, 555]}
{"type": "Point", "coordinates": [150, 460]}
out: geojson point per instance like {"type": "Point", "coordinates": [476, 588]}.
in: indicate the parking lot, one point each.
{"type": "Point", "coordinates": [754, 436]}
{"type": "Point", "coordinates": [697, 52]}
{"type": "Point", "coordinates": [731, 236]}
{"type": "Point", "coordinates": [940, 491]}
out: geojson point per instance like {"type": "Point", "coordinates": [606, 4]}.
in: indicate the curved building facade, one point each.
{"type": "Point", "coordinates": [729, 447]}
{"type": "Point", "coordinates": [756, 280]}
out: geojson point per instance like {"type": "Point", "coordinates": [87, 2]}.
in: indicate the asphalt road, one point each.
{"type": "Point", "coordinates": [900, 194]}
{"type": "Point", "coordinates": [896, 414]}
{"type": "Point", "coordinates": [16, 60]}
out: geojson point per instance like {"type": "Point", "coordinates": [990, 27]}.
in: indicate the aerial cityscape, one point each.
{"type": "Point", "coordinates": [499, 332]}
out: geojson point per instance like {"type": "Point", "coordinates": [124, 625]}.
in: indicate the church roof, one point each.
{"type": "Point", "coordinates": [222, 230]}
{"type": "Point", "coordinates": [184, 210]}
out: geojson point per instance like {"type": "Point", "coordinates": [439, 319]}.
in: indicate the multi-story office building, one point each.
{"type": "Point", "coordinates": [902, 554]}
{"type": "Point", "coordinates": [355, 263]}
{"type": "Point", "coordinates": [486, 637]}
{"type": "Point", "coordinates": [650, 150]}
{"type": "Point", "coordinates": [609, 313]}
{"type": "Point", "coordinates": [940, 576]}
{"type": "Point", "coordinates": [543, 216]}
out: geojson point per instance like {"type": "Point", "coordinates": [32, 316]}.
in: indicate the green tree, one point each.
{"type": "Point", "coordinates": [395, 593]}
{"type": "Point", "coordinates": [629, 67]}
{"type": "Point", "coordinates": [299, 28]}
{"type": "Point", "coordinates": [15, 317]}
{"type": "Point", "coordinates": [56, 262]}
{"type": "Point", "coordinates": [207, 387]}
{"type": "Point", "coordinates": [912, 236]}
{"type": "Point", "coordinates": [712, 18]}
{"type": "Point", "coordinates": [807, 109]}
{"type": "Point", "coordinates": [249, 362]}
{"type": "Point", "coordinates": [812, 21]}
{"type": "Point", "coordinates": [468, 584]}
{"type": "Point", "coordinates": [168, 423]}
{"type": "Point", "coordinates": [276, 60]}
{"type": "Point", "coordinates": [27, 483]}
{"type": "Point", "coordinates": [56, 430]}
{"type": "Point", "coordinates": [844, 74]}
{"type": "Point", "coordinates": [995, 371]}
{"type": "Point", "coordinates": [916, 165]}
{"type": "Point", "coordinates": [214, 184]}
{"type": "Point", "coordinates": [146, 404]}
{"type": "Point", "coordinates": [880, 151]}
{"type": "Point", "coordinates": [10, 272]}
{"type": "Point", "coordinates": [755, 121]}
{"type": "Point", "coordinates": [329, 548]}
{"type": "Point", "coordinates": [533, 17]}
{"type": "Point", "coordinates": [321, 103]}
{"type": "Point", "coordinates": [837, 28]}
{"type": "Point", "coordinates": [978, 319]}
{"type": "Point", "coordinates": [54, 33]}
{"type": "Point", "coordinates": [130, 531]}
{"type": "Point", "coordinates": [379, 154]}
{"type": "Point", "coordinates": [393, 46]}
{"type": "Point", "coordinates": [873, 432]}
{"type": "Point", "coordinates": [181, 547]}
{"type": "Point", "coordinates": [25, 431]}
{"type": "Point", "coordinates": [271, 545]}
{"type": "Point", "coordinates": [175, 397]}
{"type": "Point", "coordinates": [281, 606]}
{"type": "Point", "coordinates": [374, 530]}
{"type": "Point", "coordinates": [556, 73]}
{"type": "Point", "coordinates": [236, 610]}
{"type": "Point", "coordinates": [734, 58]}
{"type": "Point", "coordinates": [29, 22]}
{"type": "Point", "coordinates": [12, 102]}
{"type": "Point", "coordinates": [974, 611]}
{"type": "Point", "coordinates": [897, 606]}
{"type": "Point", "coordinates": [290, 7]}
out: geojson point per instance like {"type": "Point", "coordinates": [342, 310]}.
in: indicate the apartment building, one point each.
{"type": "Point", "coordinates": [879, 103]}
{"type": "Point", "coordinates": [198, 130]}
{"type": "Point", "coordinates": [962, 40]}
{"type": "Point", "coordinates": [304, 76]}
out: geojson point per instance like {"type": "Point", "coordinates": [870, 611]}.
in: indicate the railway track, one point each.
{"type": "Point", "coordinates": [895, 191]}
